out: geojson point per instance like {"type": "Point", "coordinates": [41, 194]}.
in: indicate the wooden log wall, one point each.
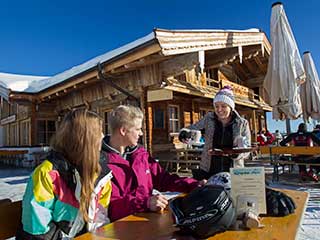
{"type": "Point", "coordinates": [132, 81]}
{"type": "Point", "coordinates": [179, 64]}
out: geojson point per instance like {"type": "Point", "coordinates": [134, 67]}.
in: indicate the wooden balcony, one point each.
{"type": "Point", "coordinates": [239, 91]}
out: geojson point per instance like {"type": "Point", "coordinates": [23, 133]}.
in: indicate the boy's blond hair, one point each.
{"type": "Point", "coordinates": [124, 116]}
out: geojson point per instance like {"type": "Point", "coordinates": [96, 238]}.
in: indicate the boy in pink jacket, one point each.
{"type": "Point", "coordinates": [135, 172]}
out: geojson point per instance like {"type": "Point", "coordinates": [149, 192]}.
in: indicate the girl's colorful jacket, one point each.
{"type": "Point", "coordinates": [50, 206]}
{"type": "Point", "coordinates": [135, 175]}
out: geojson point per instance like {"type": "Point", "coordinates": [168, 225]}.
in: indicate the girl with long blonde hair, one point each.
{"type": "Point", "coordinates": [69, 188]}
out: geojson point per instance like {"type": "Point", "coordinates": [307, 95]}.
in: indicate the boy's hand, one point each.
{"type": "Point", "coordinates": [157, 203]}
{"type": "Point", "coordinates": [202, 182]}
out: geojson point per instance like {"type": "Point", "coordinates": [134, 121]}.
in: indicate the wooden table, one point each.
{"type": "Point", "coordinates": [160, 226]}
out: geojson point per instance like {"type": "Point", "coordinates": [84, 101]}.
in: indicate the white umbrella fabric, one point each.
{"type": "Point", "coordinates": [310, 90]}
{"type": "Point", "coordinates": [285, 70]}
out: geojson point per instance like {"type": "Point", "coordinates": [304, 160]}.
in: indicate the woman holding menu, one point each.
{"type": "Point", "coordinates": [224, 129]}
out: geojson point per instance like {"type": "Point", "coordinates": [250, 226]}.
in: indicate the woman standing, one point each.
{"type": "Point", "coordinates": [224, 128]}
{"type": "Point", "coordinates": [69, 189]}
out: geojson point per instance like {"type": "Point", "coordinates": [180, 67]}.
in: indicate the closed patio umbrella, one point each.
{"type": "Point", "coordinates": [285, 69]}
{"type": "Point", "coordinates": [310, 90]}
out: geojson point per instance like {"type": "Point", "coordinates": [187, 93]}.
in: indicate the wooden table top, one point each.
{"type": "Point", "coordinates": [159, 226]}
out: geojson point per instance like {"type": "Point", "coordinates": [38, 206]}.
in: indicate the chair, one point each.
{"type": "Point", "coordinates": [10, 217]}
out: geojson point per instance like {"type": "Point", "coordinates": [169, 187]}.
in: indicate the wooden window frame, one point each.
{"type": "Point", "coordinates": [206, 110]}
{"type": "Point", "coordinates": [178, 119]}
{"type": "Point", "coordinates": [14, 134]}
{"type": "Point", "coordinates": [46, 130]}
{"type": "Point", "coordinates": [6, 134]}
{"type": "Point", "coordinates": [21, 142]}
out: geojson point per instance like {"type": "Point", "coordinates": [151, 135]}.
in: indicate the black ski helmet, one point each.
{"type": "Point", "coordinates": [204, 212]}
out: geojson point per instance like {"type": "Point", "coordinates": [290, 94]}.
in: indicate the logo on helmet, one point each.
{"type": "Point", "coordinates": [200, 218]}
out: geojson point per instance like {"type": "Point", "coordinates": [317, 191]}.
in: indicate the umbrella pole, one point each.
{"type": "Point", "coordinates": [288, 126]}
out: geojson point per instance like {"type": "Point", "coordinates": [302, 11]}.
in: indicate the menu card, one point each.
{"type": "Point", "coordinates": [248, 184]}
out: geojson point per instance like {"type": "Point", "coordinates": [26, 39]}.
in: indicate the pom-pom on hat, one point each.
{"type": "Point", "coordinates": [225, 95]}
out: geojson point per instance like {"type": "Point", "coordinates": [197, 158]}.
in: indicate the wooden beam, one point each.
{"type": "Point", "coordinates": [22, 97]}
{"type": "Point", "coordinates": [254, 123]}
{"type": "Point", "coordinates": [154, 48]}
{"type": "Point", "coordinates": [255, 82]}
{"type": "Point", "coordinates": [251, 68]}
{"type": "Point", "coordinates": [262, 67]}
{"type": "Point", "coordinates": [67, 84]}
{"type": "Point", "coordinates": [239, 71]}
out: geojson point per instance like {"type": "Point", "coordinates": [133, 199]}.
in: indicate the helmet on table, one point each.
{"type": "Point", "coordinates": [204, 212]}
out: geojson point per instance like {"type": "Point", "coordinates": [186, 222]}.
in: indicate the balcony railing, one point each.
{"type": "Point", "coordinates": [238, 90]}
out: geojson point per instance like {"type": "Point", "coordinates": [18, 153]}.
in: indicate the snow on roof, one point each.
{"type": "Point", "coordinates": [16, 82]}
{"type": "Point", "coordinates": [37, 86]}
{"type": "Point", "coordinates": [212, 30]}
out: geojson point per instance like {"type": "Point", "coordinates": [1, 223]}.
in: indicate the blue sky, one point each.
{"type": "Point", "coordinates": [48, 37]}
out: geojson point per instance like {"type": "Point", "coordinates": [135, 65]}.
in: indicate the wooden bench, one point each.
{"type": "Point", "coordinates": [10, 218]}
{"type": "Point", "coordinates": [12, 157]}
{"type": "Point", "coordinates": [275, 151]}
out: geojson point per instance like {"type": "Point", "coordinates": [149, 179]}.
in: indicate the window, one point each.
{"type": "Point", "coordinates": [158, 118]}
{"type": "Point", "coordinates": [203, 112]}
{"type": "Point", "coordinates": [174, 125]}
{"type": "Point", "coordinates": [5, 109]}
{"type": "Point", "coordinates": [106, 122]}
{"type": "Point", "coordinates": [6, 135]}
{"type": "Point", "coordinates": [46, 128]}
{"type": "Point", "coordinates": [14, 134]}
{"type": "Point", "coordinates": [25, 133]}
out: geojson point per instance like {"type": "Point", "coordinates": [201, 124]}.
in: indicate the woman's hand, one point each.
{"type": "Point", "coordinates": [157, 203]}
{"type": "Point", "coordinates": [217, 152]}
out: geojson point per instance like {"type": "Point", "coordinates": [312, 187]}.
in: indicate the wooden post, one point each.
{"type": "Point", "coordinates": [288, 126]}
{"type": "Point", "coordinates": [254, 125]}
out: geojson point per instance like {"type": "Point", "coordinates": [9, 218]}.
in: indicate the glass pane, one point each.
{"type": "Point", "coordinates": [170, 126]}
{"type": "Point", "coordinates": [51, 126]}
{"type": "Point", "coordinates": [41, 138]}
{"type": "Point", "coordinates": [175, 126]}
{"type": "Point", "coordinates": [173, 112]}
{"type": "Point", "coordinates": [49, 137]}
{"type": "Point", "coordinates": [41, 125]}
{"type": "Point", "coordinates": [158, 119]}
